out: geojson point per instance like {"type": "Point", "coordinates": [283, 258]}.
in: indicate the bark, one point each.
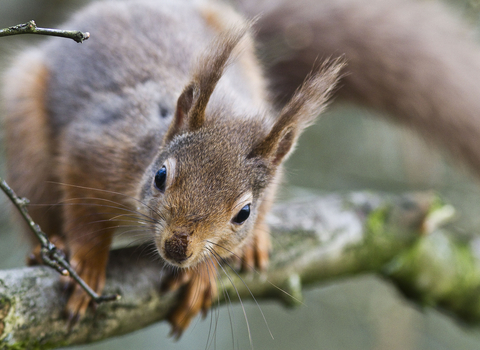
{"type": "Point", "coordinates": [315, 238]}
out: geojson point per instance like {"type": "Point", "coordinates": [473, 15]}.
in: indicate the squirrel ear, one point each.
{"type": "Point", "coordinates": [307, 102]}
{"type": "Point", "coordinates": [192, 103]}
{"type": "Point", "coordinates": [184, 105]}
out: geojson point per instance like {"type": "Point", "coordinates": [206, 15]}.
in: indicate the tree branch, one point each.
{"type": "Point", "coordinates": [314, 239]}
{"type": "Point", "coordinates": [31, 28]}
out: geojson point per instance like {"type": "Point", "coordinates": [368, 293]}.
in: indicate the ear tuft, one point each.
{"type": "Point", "coordinates": [306, 104]}
{"type": "Point", "coordinates": [207, 71]}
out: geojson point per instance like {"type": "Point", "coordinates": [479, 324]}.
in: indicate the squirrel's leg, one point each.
{"type": "Point", "coordinates": [88, 236]}
{"type": "Point", "coordinates": [199, 290]}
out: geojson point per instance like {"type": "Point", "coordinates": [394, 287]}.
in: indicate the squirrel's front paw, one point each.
{"type": "Point", "coordinates": [79, 300]}
{"type": "Point", "coordinates": [255, 254]}
{"type": "Point", "coordinates": [199, 289]}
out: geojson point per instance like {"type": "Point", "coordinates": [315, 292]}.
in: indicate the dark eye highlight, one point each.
{"type": "Point", "coordinates": [242, 215]}
{"type": "Point", "coordinates": [161, 179]}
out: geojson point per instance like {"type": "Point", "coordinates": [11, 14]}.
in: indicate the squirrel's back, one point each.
{"type": "Point", "coordinates": [140, 57]}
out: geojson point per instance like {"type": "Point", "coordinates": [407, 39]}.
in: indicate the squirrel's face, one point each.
{"type": "Point", "coordinates": [203, 192]}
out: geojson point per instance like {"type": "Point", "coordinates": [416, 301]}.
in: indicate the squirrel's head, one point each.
{"type": "Point", "coordinates": [204, 187]}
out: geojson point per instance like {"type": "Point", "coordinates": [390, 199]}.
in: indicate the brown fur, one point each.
{"type": "Point", "coordinates": [27, 134]}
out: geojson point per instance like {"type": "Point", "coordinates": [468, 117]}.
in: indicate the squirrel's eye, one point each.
{"type": "Point", "coordinates": [242, 215]}
{"type": "Point", "coordinates": [161, 179]}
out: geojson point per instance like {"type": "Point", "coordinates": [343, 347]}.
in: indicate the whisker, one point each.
{"type": "Point", "coordinates": [87, 253]}
{"type": "Point", "coordinates": [107, 191]}
{"type": "Point", "coordinates": [207, 345]}
{"type": "Point", "coordinates": [131, 222]}
{"type": "Point", "coordinates": [256, 271]}
{"type": "Point", "coordinates": [142, 236]}
{"type": "Point", "coordinates": [119, 218]}
{"type": "Point", "coordinates": [93, 233]}
{"type": "Point", "coordinates": [214, 254]}
{"type": "Point", "coordinates": [119, 206]}
{"type": "Point", "coordinates": [229, 305]}
{"type": "Point", "coordinates": [154, 256]}
{"type": "Point", "coordinates": [138, 242]}
{"type": "Point", "coordinates": [211, 265]}
{"type": "Point", "coordinates": [138, 234]}
{"type": "Point", "coordinates": [249, 291]}
{"type": "Point", "coordinates": [126, 209]}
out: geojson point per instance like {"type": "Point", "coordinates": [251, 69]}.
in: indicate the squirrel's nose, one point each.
{"type": "Point", "coordinates": [176, 246]}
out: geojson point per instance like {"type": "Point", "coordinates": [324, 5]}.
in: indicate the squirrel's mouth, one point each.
{"type": "Point", "coordinates": [184, 262]}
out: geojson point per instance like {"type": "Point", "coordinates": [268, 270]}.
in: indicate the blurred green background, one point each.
{"type": "Point", "coordinates": [348, 149]}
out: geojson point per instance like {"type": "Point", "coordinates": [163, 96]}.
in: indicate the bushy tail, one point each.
{"type": "Point", "coordinates": [411, 59]}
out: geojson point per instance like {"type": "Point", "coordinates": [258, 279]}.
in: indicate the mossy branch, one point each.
{"type": "Point", "coordinates": [31, 28]}
{"type": "Point", "coordinates": [315, 239]}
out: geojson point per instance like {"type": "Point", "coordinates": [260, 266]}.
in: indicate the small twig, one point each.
{"type": "Point", "coordinates": [51, 255]}
{"type": "Point", "coordinates": [31, 28]}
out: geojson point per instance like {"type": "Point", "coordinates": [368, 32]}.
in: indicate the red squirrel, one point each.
{"type": "Point", "coordinates": [164, 118]}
